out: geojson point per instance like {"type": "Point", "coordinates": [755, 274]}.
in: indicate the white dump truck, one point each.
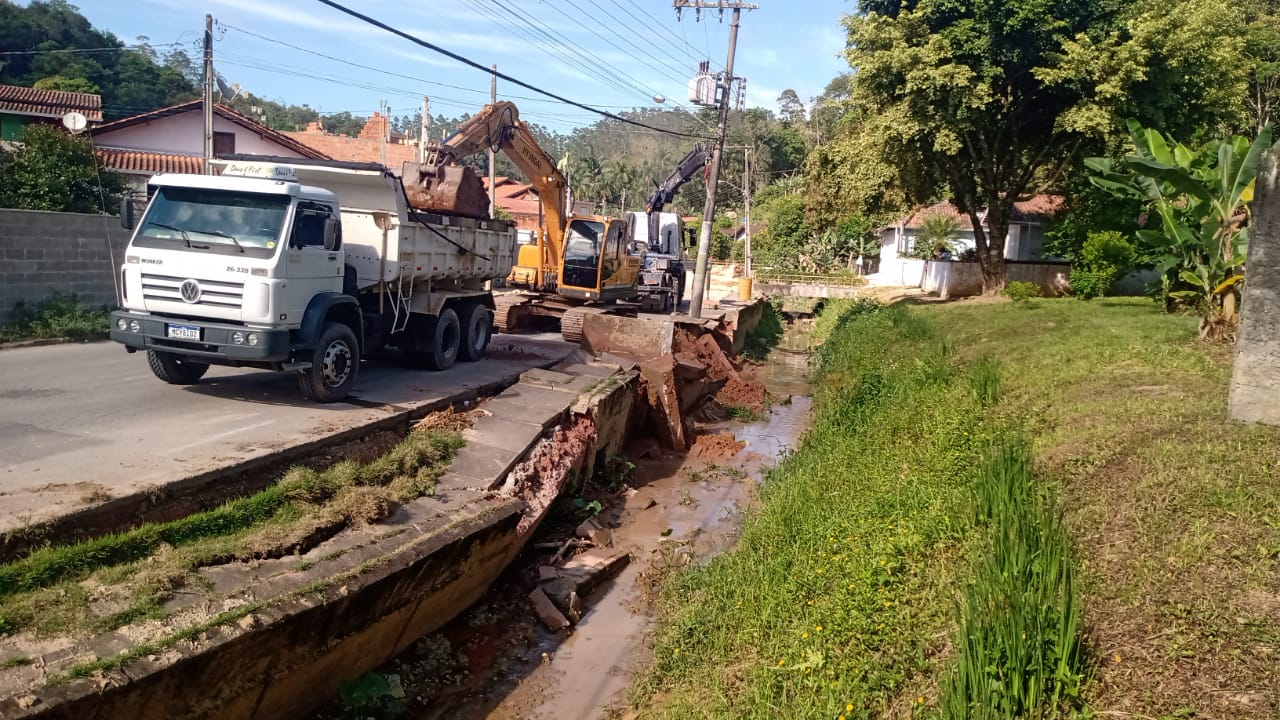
{"type": "Point", "coordinates": [303, 266]}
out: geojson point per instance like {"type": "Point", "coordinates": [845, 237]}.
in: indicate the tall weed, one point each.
{"type": "Point", "coordinates": [1019, 638]}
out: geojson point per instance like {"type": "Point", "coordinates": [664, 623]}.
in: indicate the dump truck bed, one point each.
{"type": "Point", "coordinates": [386, 240]}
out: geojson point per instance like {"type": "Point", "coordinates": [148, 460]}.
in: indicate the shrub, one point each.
{"type": "Point", "coordinates": [1020, 291]}
{"type": "Point", "coordinates": [58, 316]}
{"type": "Point", "coordinates": [1104, 257]}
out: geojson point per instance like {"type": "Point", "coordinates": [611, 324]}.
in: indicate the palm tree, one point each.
{"type": "Point", "coordinates": [936, 237]}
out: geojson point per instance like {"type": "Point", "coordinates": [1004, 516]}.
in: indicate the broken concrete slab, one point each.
{"type": "Point", "coordinates": [503, 432]}
{"type": "Point", "coordinates": [525, 400]}
{"type": "Point", "coordinates": [587, 570]}
{"type": "Point", "coordinates": [591, 529]}
{"type": "Point", "coordinates": [548, 614]}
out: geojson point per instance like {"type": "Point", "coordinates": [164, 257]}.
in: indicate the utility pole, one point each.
{"type": "Point", "coordinates": [424, 129]}
{"type": "Point", "coordinates": [493, 100]}
{"type": "Point", "coordinates": [207, 102]}
{"type": "Point", "coordinates": [746, 201]}
{"type": "Point", "coordinates": [713, 177]}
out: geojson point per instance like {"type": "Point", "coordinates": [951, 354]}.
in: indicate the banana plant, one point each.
{"type": "Point", "coordinates": [1201, 198]}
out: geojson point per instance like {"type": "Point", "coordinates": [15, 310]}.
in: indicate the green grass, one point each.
{"type": "Point", "coordinates": [765, 335]}
{"type": "Point", "coordinates": [1019, 645]}
{"type": "Point", "coordinates": [140, 568]}
{"type": "Point", "coordinates": [1172, 516]}
{"type": "Point", "coordinates": [58, 316]}
{"type": "Point", "coordinates": [839, 592]}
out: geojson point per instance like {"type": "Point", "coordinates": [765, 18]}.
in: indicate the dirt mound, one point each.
{"type": "Point", "coordinates": [717, 446]}
{"type": "Point", "coordinates": [744, 390]}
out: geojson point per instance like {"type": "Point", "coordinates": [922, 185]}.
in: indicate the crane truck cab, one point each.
{"type": "Point", "coordinates": [259, 268]}
{"type": "Point", "coordinates": [659, 239]}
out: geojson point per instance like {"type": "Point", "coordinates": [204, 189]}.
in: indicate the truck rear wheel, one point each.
{"type": "Point", "coordinates": [334, 365]}
{"type": "Point", "coordinates": [477, 330]}
{"type": "Point", "coordinates": [436, 342]}
{"type": "Point", "coordinates": [175, 369]}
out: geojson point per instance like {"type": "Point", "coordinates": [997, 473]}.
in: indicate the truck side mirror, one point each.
{"type": "Point", "coordinates": [332, 235]}
{"type": "Point", "coordinates": [126, 212]}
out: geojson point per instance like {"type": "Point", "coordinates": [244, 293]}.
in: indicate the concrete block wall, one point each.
{"type": "Point", "coordinates": [43, 253]}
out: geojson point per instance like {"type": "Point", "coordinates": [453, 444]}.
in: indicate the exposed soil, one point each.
{"type": "Point", "coordinates": [716, 446]}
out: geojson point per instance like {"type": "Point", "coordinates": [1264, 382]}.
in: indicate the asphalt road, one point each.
{"type": "Point", "coordinates": [81, 423]}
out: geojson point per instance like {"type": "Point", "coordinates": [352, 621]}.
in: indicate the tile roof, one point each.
{"type": "Point", "coordinates": [341, 147]}
{"type": "Point", "coordinates": [244, 121]}
{"type": "Point", "coordinates": [1036, 208]}
{"type": "Point", "coordinates": [49, 103]}
{"type": "Point", "coordinates": [136, 161]}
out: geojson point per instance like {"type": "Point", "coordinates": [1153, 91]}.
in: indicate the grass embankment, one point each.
{"type": "Point", "coordinates": [874, 543]}
{"type": "Point", "coordinates": [56, 317]}
{"type": "Point", "coordinates": [108, 582]}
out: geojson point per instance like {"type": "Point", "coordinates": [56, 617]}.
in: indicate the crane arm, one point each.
{"type": "Point", "coordinates": [695, 160]}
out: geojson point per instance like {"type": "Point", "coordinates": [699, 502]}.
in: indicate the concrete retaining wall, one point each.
{"type": "Point", "coordinates": [811, 290]}
{"type": "Point", "coordinates": [964, 279]}
{"type": "Point", "coordinates": [42, 253]}
{"type": "Point", "coordinates": [1255, 384]}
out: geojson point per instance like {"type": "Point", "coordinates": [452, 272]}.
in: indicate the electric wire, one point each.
{"type": "Point", "coordinates": [670, 71]}
{"type": "Point", "coordinates": [515, 81]}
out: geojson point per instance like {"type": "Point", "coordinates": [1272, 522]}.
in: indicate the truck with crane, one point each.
{"type": "Point", "coordinates": [577, 264]}
{"type": "Point", "coordinates": [303, 266]}
{"type": "Point", "coordinates": [662, 278]}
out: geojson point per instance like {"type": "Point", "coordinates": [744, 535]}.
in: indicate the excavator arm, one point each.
{"type": "Point", "coordinates": [442, 186]}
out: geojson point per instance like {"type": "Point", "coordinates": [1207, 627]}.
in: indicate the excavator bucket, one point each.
{"type": "Point", "coordinates": [446, 189]}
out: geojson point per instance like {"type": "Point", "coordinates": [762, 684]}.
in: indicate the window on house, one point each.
{"type": "Point", "coordinates": [224, 143]}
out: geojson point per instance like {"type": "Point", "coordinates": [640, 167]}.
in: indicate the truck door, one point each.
{"type": "Point", "coordinates": [309, 267]}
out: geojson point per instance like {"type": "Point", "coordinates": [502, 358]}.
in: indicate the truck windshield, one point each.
{"type": "Point", "coordinates": [217, 221]}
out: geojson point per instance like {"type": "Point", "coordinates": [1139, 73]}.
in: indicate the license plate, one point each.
{"type": "Point", "coordinates": [183, 332]}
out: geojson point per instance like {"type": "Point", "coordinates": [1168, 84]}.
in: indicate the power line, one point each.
{"type": "Point", "coordinates": [473, 64]}
{"type": "Point", "coordinates": [546, 41]}
{"type": "Point", "coordinates": [679, 72]}
{"type": "Point", "coordinates": [689, 50]}
{"type": "Point", "coordinates": [600, 61]}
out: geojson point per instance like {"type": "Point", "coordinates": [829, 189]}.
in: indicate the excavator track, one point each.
{"type": "Point", "coordinates": [571, 324]}
{"type": "Point", "coordinates": [508, 311]}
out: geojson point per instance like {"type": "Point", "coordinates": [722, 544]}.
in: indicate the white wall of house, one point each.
{"type": "Point", "coordinates": [184, 134]}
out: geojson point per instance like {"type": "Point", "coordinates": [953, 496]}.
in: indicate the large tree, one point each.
{"type": "Point", "coordinates": [51, 170]}
{"type": "Point", "coordinates": [988, 100]}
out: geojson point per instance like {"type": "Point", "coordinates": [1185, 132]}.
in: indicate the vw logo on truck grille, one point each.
{"type": "Point", "coordinates": [190, 291]}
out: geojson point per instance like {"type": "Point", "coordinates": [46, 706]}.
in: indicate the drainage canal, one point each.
{"type": "Point", "coordinates": [660, 510]}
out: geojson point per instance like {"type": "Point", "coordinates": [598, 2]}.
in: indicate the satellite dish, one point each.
{"type": "Point", "coordinates": [75, 122]}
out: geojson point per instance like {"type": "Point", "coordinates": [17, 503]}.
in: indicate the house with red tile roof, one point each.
{"type": "Point", "coordinates": [1026, 227]}
{"type": "Point", "coordinates": [22, 106]}
{"type": "Point", "coordinates": [171, 139]}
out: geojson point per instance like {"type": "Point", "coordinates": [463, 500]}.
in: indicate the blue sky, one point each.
{"type": "Point", "coordinates": [637, 45]}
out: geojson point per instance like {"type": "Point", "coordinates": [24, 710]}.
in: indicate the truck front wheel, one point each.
{"type": "Point", "coordinates": [334, 365]}
{"type": "Point", "coordinates": [175, 369]}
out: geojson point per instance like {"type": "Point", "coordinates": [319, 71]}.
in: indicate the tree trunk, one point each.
{"type": "Point", "coordinates": [992, 261]}
{"type": "Point", "coordinates": [989, 243]}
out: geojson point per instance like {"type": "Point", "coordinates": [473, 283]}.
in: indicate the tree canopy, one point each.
{"type": "Point", "coordinates": [56, 171]}
{"type": "Point", "coordinates": [985, 101]}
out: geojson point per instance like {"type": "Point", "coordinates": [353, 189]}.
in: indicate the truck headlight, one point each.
{"type": "Point", "coordinates": [135, 326]}
{"type": "Point", "coordinates": [122, 324]}
{"type": "Point", "coordinates": [237, 338]}
{"type": "Point", "coordinates": [253, 338]}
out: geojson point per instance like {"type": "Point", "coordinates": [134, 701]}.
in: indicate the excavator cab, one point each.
{"type": "Point", "coordinates": [597, 265]}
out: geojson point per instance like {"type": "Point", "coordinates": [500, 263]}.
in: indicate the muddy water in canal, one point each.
{"type": "Point", "coordinates": [496, 662]}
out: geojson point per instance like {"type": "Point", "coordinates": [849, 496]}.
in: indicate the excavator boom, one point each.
{"type": "Point", "coordinates": [693, 161]}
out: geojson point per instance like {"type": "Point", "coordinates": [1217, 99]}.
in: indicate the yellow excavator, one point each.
{"type": "Point", "coordinates": [577, 263]}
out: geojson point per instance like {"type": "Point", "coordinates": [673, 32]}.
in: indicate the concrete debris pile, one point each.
{"type": "Point", "coordinates": [557, 600]}
{"type": "Point", "coordinates": [700, 370]}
